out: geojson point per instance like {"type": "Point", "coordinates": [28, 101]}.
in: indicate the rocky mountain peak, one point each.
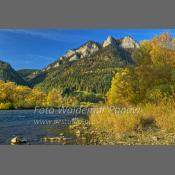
{"type": "Point", "coordinates": [87, 49]}
{"type": "Point", "coordinates": [90, 47]}
{"type": "Point", "coordinates": [129, 43]}
{"type": "Point", "coordinates": [70, 53]}
{"type": "Point", "coordinates": [109, 41]}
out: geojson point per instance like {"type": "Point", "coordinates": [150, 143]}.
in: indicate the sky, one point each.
{"type": "Point", "coordinates": [36, 48]}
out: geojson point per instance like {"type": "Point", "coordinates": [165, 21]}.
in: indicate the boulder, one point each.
{"type": "Point", "coordinates": [18, 140]}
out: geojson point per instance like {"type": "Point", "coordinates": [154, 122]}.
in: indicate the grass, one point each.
{"type": "Point", "coordinates": [162, 114]}
{"type": "Point", "coordinates": [114, 122]}
{"type": "Point", "coordinates": [153, 124]}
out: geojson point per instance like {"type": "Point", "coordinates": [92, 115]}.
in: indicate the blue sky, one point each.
{"type": "Point", "coordinates": [36, 48]}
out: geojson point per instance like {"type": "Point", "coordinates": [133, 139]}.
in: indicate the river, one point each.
{"type": "Point", "coordinates": [34, 125]}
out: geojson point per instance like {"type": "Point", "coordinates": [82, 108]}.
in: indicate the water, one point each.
{"type": "Point", "coordinates": [33, 126]}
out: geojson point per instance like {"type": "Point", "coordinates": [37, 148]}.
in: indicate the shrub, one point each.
{"type": "Point", "coordinates": [6, 106]}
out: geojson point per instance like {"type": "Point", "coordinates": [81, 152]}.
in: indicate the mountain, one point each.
{"type": "Point", "coordinates": [28, 74]}
{"type": "Point", "coordinates": [88, 68]}
{"type": "Point", "coordinates": [125, 43]}
{"type": "Point", "coordinates": [85, 50]}
{"type": "Point", "coordinates": [128, 43]}
{"type": "Point", "coordinates": [91, 47]}
{"type": "Point", "coordinates": [7, 73]}
{"type": "Point", "coordinates": [110, 41]}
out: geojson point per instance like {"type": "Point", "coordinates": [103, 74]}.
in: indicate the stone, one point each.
{"type": "Point", "coordinates": [74, 58]}
{"type": "Point", "coordinates": [88, 49]}
{"type": "Point", "coordinates": [109, 41]}
{"type": "Point", "coordinates": [129, 43]}
{"type": "Point", "coordinates": [56, 65]}
{"type": "Point", "coordinates": [18, 140]}
{"type": "Point", "coordinates": [70, 53]}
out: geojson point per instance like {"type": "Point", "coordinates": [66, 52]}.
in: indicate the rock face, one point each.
{"type": "Point", "coordinates": [56, 65]}
{"type": "Point", "coordinates": [74, 58]}
{"type": "Point", "coordinates": [109, 41]}
{"type": "Point", "coordinates": [89, 48]}
{"type": "Point", "coordinates": [128, 43]}
{"type": "Point", "coordinates": [85, 50]}
{"type": "Point", "coordinates": [125, 43]}
{"type": "Point", "coordinates": [70, 54]}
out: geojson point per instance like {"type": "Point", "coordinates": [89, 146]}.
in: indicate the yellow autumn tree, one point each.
{"type": "Point", "coordinates": [151, 79]}
{"type": "Point", "coordinates": [163, 50]}
{"type": "Point", "coordinates": [20, 96]}
{"type": "Point", "coordinates": [6, 91]}
{"type": "Point", "coordinates": [159, 50]}
{"type": "Point", "coordinates": [36, 98]}
{"type": "Point", "coordinates": [123, 89]}
{"type": "Point", "coordinates": [54, 98]}
{"type": "Point", "coordinates": [16, 96]}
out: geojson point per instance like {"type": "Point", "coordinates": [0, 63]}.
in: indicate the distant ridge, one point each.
{"type": "Point", "coordinates": [7, 73]}
{"type": "Point", "coordinates": [28, 74]}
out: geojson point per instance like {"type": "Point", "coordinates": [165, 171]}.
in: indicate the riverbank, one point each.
{"type": "Point", "coordinates": [151, 125]}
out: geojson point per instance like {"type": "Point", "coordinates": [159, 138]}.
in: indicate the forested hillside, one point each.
{"type": "Point", "coordinates": [7, 73]}
{"type": "Point", "coordinates": [92, 74]}
{"type": "Point", "coordinates": [89, 68]}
